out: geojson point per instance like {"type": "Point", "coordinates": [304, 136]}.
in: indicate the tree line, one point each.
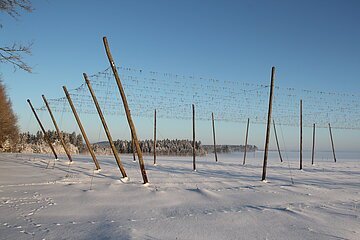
{"type": "Point", "coordinates": [38, 138]}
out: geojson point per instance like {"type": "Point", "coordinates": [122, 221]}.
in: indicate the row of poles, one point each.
{"type": "Point", "coordinates": [98, 108]}
{"type": "Point", "coordinates": [135, 141]}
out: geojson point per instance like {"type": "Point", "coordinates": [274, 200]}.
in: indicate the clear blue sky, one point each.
{"type": "Point", "coordinates": [313, 44]}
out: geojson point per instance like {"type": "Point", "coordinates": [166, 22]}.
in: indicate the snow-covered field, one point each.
{"type": "Point", "coordinates": [222, 200]}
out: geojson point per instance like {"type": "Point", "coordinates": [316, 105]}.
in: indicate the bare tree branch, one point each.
{"type": "Point", "coordinates": [13, 7]}
{"type": "Point", "coordinates": [14, 54]}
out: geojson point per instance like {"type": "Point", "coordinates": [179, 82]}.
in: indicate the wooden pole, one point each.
{"type": "Point", "coordinates": [111, 142]}
{"type": "Point", "coordinates": [246, 140]}
{"type": "Point", "coordinates": [301, 137]}
{"type": "Point", "coordinates": [133, 148]}
{"type": "Point", "coordinates": [47, 139]}
{"type": "Point", "coordinates": [313, 146]}
{"type": "Point", "coordinates": [213, 127]}
{"type": "Point", "coordinates": [194, 151]}
{"type": "Point", "coordinates": [155, 137]}
{"type": "Point", "coordinates": [268, 124]}
{"type": "Point", "coordinates": [57, 129]}
{"type": "Point", "coordinates": [332, 143]}
{"type": "Point", "coordinates": [81, 129]}
{"type": "Point", "coordinates": [277, 142]}
{"type": "Point", "coordinates": [127, 111]}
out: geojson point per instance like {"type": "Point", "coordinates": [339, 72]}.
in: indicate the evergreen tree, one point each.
{"type": "Point", "coordinates": [8, 121]}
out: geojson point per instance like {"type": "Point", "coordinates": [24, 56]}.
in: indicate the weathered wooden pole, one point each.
{"type": "Point", "coordinates": [246, 140]}
{"type": "Point", "coordinates": [47, 139]}
{"type": "Point", "coordinates": [111, 142]}
{"type": "Point", "coordinates": [194, 145]}
{"type": "Point", "coordinates": [332, 143]}
{"type": "Point", "coordinates": [277, 142]}
{"type": "Point", "coordinates": [313, 146]}
{"type": "Point", "coordinates": [88, 145]}
{"type": "Point", "coordinates": [301, 137]}
{"type": "Point", "coordinates": [57, 129]}
{"type": "Point", "coordinates": [213, 128]}
{"type": "Point", "coordinates": [127, 111]}
{"type": "Point", "coordinates": [268, 124]}
{"type": "Point", "coordinates": [155, 137]}
{"type": "Point", "coordinates": [133, 148]}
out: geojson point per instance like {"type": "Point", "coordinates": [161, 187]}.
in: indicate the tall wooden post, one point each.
{"type": "Point", "coordinates": [301, 136]}
{"type": "Point", "coordinates": [194, 145]}
{"type": "Point", "coordinates": [313, 146]}
{"type": "Point", "coordinates": [213, 127]}
{"type": "Point", "coordinates": [277, 142]}
{"type": "Point", "coordinates": [81, 129]}
{"type": "Point", "coordinates": [47, 139]}
{"type": "Point", "coordinates": [133, 148]}
{"type": "Point", "coordinates": [111, 142]}
{"type": "Point", "coordinates": [155, 137]}
{"type": "Point", "coordinates": [268, 124]}
{"type": "Point", "coordinates": [61, 139]}
{"type": "Point", "coordinates": [127, 111]}
{"type": "Point", "coordinates": [246, 140]}
{"type": "Point", "coordinates": [332, 143]}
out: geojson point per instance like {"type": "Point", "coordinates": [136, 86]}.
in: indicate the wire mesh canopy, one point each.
{"type": "Point", "coordinates": [235, 101]}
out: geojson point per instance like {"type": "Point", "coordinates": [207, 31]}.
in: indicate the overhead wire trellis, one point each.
{"type": "Point", "coordinates": [234, 101]}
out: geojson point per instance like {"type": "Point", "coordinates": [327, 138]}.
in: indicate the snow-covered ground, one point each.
{"type": "Point", "coordinates": [223, 200]}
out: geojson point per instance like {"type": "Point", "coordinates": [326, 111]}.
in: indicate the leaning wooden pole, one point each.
{"type": "Point", "coordinates": [111, 142]}
{"type": "Point", "coordinates": [60, 136]}
{"type": "Point", "coordinates": [268, 124]}
{"type": "Point", "coordinates": [155, 137]}
{"type": "Point", "coordinates": [47, 139]}
{"type": "Point", "coordinates": [313, 146]}
{"type": "Point", "coordinates": [277, 142]}
{"type": "Point", "coordinates": [246, 140]}
{"type": "Point", "coordinates": [301, 137]}
{"type": "Point", "coordinates": [194, 143]}
{"type": "Point", "coordinates": [332, 143]}
{"type": "Point", "coordinates": [133, 148]}
{"type": "Point", "coordinates": [213, 128]}
{"type": "Point", "coordinates": [81, 129]}
{"type": "Point", "coordinates": [127, 111]}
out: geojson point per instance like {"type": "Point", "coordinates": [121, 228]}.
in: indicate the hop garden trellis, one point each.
{"type": "Point", "coordinates": [172, 95]}
{"type": "Point", "coordinates": [235, 101]}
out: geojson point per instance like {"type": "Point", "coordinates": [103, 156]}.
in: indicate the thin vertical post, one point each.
{"type": "Point", "coordinates": [194, 151]}
{"type": "Point", "coordinates": [213, 128]}
{"type": "Point", "coordinates": [155, 137]}
{"type": "Point", "coordinates": [81, 129]}
{"type": "Point", "coordinates": [313, 146]}
{"type": "Point", "coordinates": [268, 124]}
{"type": "Point", "coordinates": [332, 143]}
{"type": "Point", "coordinates": [246, 140]}
{"type": "Point", "coordinates": [133, 148]}
{"type": "Point", "coordinates": [127, 110]}
{"type": "Point", "coordinates": [60, 136]}
{"type": "Point", "coordinates": [47, 139]}
{"type": "Point", "coordinates": [301, 137]}
{"type": "Point", "coordinates": [277, 142]}
{"type": "Point", "coordinates": [111, 142]}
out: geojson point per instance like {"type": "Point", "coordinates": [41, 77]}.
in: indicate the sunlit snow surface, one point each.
{"type": "Point", "coordinates": [223, 200]}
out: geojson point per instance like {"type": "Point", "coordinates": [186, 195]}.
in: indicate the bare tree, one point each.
{"type": "Point", "coordinates": [15, 52]}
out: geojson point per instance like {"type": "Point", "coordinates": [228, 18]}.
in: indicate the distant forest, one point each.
{"type": "Point", "coordinates": [28, 142]}
{"type": "Point", "coordinates": [38, 139]}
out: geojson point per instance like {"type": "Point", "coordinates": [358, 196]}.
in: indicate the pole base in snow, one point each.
{"type": "Point", "coordinates": [125, 179]}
